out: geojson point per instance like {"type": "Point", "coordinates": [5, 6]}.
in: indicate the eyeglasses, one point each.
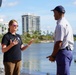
{"type": "Point", "coordinates": [15, 25]}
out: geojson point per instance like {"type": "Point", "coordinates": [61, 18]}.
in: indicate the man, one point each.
{"type": "Point", "coordinates": [11, 47]}
{"type": "Point", "coordinates": [63, 46]}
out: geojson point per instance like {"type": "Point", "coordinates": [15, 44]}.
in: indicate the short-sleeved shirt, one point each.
{"type": "Point", "coordinates": [64, 33]}
{"type": "Point", "coordinates": [15, 52]}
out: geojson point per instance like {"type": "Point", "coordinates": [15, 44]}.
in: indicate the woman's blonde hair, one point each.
{"type": "Point", "coordinates": [11, 22]}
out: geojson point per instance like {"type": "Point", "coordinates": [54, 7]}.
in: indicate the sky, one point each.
{"type": "Point", "coordinates": [14, 9]}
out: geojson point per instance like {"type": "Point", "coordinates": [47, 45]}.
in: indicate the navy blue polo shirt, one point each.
{"type": "Point", "coordinates": [15, 52]}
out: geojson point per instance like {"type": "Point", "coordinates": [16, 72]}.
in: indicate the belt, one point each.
{"type": "Point", "coordinates": [67, 48]}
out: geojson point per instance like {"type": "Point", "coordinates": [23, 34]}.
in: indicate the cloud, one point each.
{"type": "Point", "coordinates": [9, 4]}
{"type": "Point", "coordinates": [12, 3]}
{"type": "Point", "coordinates": [74, 2]}
{"type": "Point", "coordinates": [2, 16]}
{"type": "Point", "coordinates": [3, 0]}
{"type": "Point", "coordinates": [1, 20]}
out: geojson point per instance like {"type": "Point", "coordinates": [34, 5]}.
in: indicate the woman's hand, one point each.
{"type": "Point", "coordinates": [31, 41]}
{"type": "Point", "coordinates": [24, 47]}
{"type": "Point", "coordinates": [13, 43]}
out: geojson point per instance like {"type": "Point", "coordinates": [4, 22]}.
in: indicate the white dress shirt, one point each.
{"type": "Point", "coordinates": [63, 32]}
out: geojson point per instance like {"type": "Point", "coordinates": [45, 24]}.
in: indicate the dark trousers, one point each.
{"type": "Point", "coordinates": [63, 60]}
{"type": "Point", "coordinates": [12, 68]}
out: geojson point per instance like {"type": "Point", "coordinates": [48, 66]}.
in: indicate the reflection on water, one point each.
{"type": "Point", "coordinates": [34, 60]}
{"type": "Point", "coordinates": [32, 65]}
{"type": "Point", "coordinates": [1, 63]}
{"type": "Point", "coordinates": [1, 59]}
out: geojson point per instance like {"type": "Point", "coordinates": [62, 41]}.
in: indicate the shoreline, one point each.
{"type": "Point", "coordinates": [47, 41]}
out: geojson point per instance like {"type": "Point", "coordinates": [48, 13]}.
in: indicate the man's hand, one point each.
{"type": "Point", "coordinates": [51, 58]}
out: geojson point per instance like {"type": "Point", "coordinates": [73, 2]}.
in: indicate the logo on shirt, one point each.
{"type": "Point", "coordinates": [18, 38]}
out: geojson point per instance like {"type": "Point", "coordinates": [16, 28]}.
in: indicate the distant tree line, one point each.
{"type": "Point", "coordinates": [37, 36]}
{"type": "Point", "coordinates": [26, 37]}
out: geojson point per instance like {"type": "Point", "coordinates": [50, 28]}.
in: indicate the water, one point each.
{"type": "Point", "coordinates": [34, 60]}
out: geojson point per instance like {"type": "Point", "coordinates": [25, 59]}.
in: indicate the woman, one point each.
{"type": "Point", "coordinates": [11, 47]}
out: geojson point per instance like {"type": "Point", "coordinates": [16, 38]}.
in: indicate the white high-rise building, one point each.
{"type": "Point", "coordinates": [30, 23]}
{"type": "Point", "coordinates": [3, 27]}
